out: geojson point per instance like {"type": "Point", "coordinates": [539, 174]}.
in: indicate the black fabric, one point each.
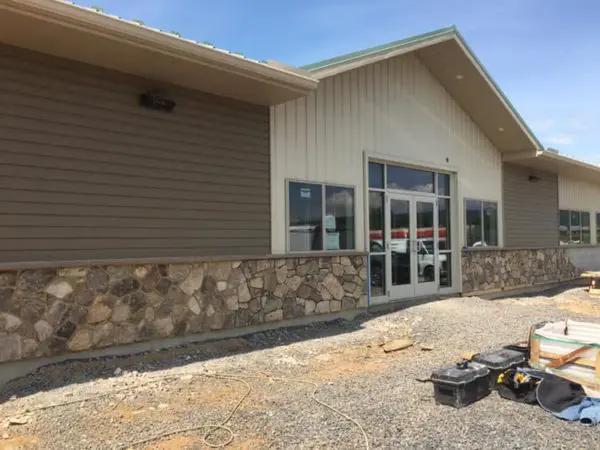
{"type": "Point", "coordinates": [555, 394]}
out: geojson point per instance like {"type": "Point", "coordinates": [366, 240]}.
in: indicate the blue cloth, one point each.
{"type": "Point", "coordinates": [587, 412]}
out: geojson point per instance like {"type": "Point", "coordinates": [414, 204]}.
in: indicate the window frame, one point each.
{"type": "Point", "coordinates": [482, 202]}
{"type": "Point", "coordinates": [580, 212]}
{"type": "Point", "coordinates": [323, 214]}
{"type": "Point", "coordinates": [597, 217]}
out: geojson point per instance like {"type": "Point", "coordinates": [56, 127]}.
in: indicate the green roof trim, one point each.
{"type": "Point", "coordinates": [447, 31]}
{"type": "Point", "coordinates": [319, 65]}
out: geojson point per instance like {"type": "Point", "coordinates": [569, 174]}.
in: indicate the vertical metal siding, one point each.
{"type": "Point", "coordinates": [86, 173]}
{"type": "Point", "coordinates": [530, 209]}
{"type": "Point", "coordinates": [395, 108]}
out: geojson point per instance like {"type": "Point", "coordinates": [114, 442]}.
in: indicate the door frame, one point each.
{"type": "Point", "coordinates": [423, 288]}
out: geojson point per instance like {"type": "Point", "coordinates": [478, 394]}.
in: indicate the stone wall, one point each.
{"type": "Point", "coordinates": [47, 312]}
{"type": "Point", "coordinates": [484, 270]}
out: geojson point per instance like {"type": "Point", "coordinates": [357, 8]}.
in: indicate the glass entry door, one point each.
{"type": "Point", "coordinates": [412, 250]}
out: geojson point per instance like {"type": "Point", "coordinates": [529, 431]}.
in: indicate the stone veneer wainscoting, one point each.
{"type": "Point", "coordinates": [45, 312]}
{"type": "Point", "coordinates": [499, 269]}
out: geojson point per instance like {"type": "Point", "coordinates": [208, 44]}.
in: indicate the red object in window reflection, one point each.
{"type": "Point", "coordinates": [403, 233]}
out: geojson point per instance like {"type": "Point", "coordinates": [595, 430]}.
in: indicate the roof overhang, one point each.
{"type": "Point", "coordinates": [556, 163]}
{"type": "Point", "coordinates": [68, 31]}
{"type": "Point", "coordinates": [448, 57]}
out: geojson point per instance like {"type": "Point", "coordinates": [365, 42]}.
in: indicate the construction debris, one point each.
{"type": "Point", "coordinates": [397, 344]}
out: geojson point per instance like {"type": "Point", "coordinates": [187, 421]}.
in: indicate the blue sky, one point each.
{"type": "Point", "coordinates": [544, 54]}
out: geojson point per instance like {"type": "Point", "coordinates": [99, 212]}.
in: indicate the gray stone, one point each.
{"type": "Point", "coordinates": [324, 294]}
{"type": "Point", "coordinates": [34, 280]}
{"type": "Point", "coordinates": [243, 293]}
{"type": "Point", "coordinates": [345, 261]}
{"type": "Point", "coordinates": [10, 348]}
{"type": "Point", "coordinates": [302, 270]}
{"type": "Point", "coordinates": [364, 301]}
{"type": "Point", "coordinates": [348, 303]}
{"type": "Point", "coordinates": [335, 305]}
{"type": "Point", "coordinates": [162, 327]}
{"type": "Point", "coordinates": [220, 271]}
{"type": "Point", "coordinates": [194, 306]}
{"type": "Point", "coordinates": [232, 303]}
{"type": "Point", "coordinates": [97, 280]}
{"type": "Point", "coordinates": [270, 281]}
{"type": "Point", "coordinates": [274, 316]}
{"type": "Point", "coordinates": [349, 286]}
{"type": "Point", "coordinates": [9, 323]}
{"type": "Point", "coordinates": [309, 307]}
{"type": "Point", "coordinates": [236, 277]}
{"type": "Point", "coordinates": [126, 334]}
{"type": "Point", "coordinates": [337, 269]}
{"type": "Point", "coordinates": [255, 305]}
{"type": "Point", "coordinates": [272, 305]}
{"type": "Point", "coordinates": [210, 311]}
{"type": "Point", "coordinates": [104, 335]}
{"type": "Point", "coordinates": [149, 315]}
{"type": "Point", "coordinates": [303, 291]}
{"type": "Point", "coordinates": [193, 282]}
{"type": "Point", "coordinates": [322, 307]}
{"type": "Point", "coordinates": [281, 290]}
{"type": "Point", "coordinates": [119, 272]}
{"type": "Point", "coordinates": [300, 301]}
{"type": "Point", "coordinates": [178, 272]}
{"type": "Point", "coordinates": [333, 286]}
{"type": "Point", "coordinates": [124, 287]}
{"type": "Point", "coordinates": [154, 299]}
{"type": "Point", "coordinates": [263, 264]}
{"type": "Point", "coordinates": [236, 264]}
{"type": "Point", "coordinates": [362, 273]}
{"type": "Point", "coordinates": [294, 283]}
{"type": "Point", "coordinates": [29, 348]}
{"type": "Point", "coordinates": [43, 330]}
{"type": "Point", "coordinates": [5, 296]}
{"type": "Point", "coordinates": [281, 273]}
{"type": "Point", "coordinates": [350, 270]}
{"type": "Point", "coordinates": [56, 312]}
{"type": "Point", "coordinates": [221, 285]}
{"type": "Point", "coordinates": [121, 312]}
{"type": "Point", "coordinates": [257, 283]}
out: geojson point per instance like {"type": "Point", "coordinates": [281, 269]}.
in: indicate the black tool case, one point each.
{"type": "Point", "coordinates": [498, 361]}
{"type": "Point", "coordinates": [461, 384]}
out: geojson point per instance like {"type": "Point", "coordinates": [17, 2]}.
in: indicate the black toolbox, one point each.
{"type": "Point", "coordinates": [498, 361]}
{"type": "Point", "coordinates": [461, 384]}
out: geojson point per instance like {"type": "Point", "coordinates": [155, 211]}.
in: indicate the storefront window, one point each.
{"type": "Point", "coordinates": [481, 223]}
{"type": "Point", "coordinates": [320, 217]}
{"type": "Point", "coordinates": [574, 227]}
{"type": "Point", "coordinates": [408, 179]}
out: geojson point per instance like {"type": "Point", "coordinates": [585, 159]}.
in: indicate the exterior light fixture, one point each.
{"type": "Point", "coordinates": [501, 130]}
{"type": "Point", "coordinates": [533, 178]}
{"type": "Point", "coordinates": [157, 100]}
{"type": "Point", "coordinates": [459, 76]}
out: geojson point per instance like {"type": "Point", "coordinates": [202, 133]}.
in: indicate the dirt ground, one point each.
{"type": "Point", "coordinates": [256, 392]}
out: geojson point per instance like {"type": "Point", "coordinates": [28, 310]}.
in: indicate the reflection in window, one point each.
{"type": "Point", "coordinates": [376, 175]}
{"type": "Point", "coordinates": [377, 275]}
{"type": "Point", "coordinates": [445, 269]}
{"type": "Point", "coordinates": [339, 218]}
{"type": "Point", "coordinates": [443, 185]}
{"type": "Point", "coordinates": [376, 220]}
{"type": "Point", "coordinates": [444, 224]}
{"type": "Point", "coordinates": [410, 179]}
{"type": "Point", "coordinates": [597, 228]}
{"type": "Point", "coordinates": [305, 216]}
{"type": "Point", "coordinates": [481, 224]}
{"type": "Point", "coordinates": [574, 227]}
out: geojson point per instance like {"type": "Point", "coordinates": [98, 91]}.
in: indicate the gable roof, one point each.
{"type": "Point", "coordinates": [448, 57]}
{"type": "Point", "coordinates": [87, 35]}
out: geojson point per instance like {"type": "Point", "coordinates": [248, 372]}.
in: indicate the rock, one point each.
{"type": "Point", "coordinates": [10, 347]}
{"type": "Point", "coordinates": [19, 420]}
{"type": "Point", "coordinates": [194, 306]}
{"type": "Point", "coordinates": [34, 280]}
{"type": "Point", "coordinates": [257, 283]}
{"type": "Point", "coordinates": [426, 347]}
{"type": "Point", "coordinates": [263, 264]}
{"type": "Point", "coordinates": [193, 281]}
{"type": "Point", "coordinates": [97, 280]}
{"type": "Point", "coordinates": [362, 273]}
{"type": "Point", "coordinates": [232, 303]}
{"type": "Point", "coordinates": [59, 288]}
{"type": "Point", "coordinates": [350, 270]}
{"type": "Point", "coordinates": [281, 273]}
{"type": "Point", "coordinates": [5, 296]}
{"type": "Point", "coordinates": [81, 340]}
{"type": "Point", "coordinates": [124, 287]}
{"type": "Point", "coordinates": [334, 287]}
{"type": "Point", "coordinates": [142, 272]}
{"type": "Point", "coordinates": [221, 285]}
{"type": "Point", "coordinates": [274, 316]}
{"type": "Point", "coordinates": [322, 307]}
{"type": "Point", "coordinates": [154, 299]}
{"type": "Point", "coordinates": [126, 334]}
{"type": "Point", "coordinates": [309, 307]}
{"type": "Point", "coordinates": [337, 269]}
{"type": "Point", "coordinates": [56, 313]}
{"type": "Point", "coordinates": [162, 327]}
{"type": "Point", "coordinates": [348, 303]}
{"type": "Point", "coordinates": [178, 272]}
{"type": "Point", "coordinates": [236, 264]}
{"type": "Point", "coordinates": [9, 323]}
{"type": "Point", "coordinates": [218, 270]}
{"type": "Point", "coordinates": [345, 261]}
{"type": "Point", "coordinates": [363, 302]}
{"type": "Point", "coordinates": [29, 348]}
{"type": "Point", "coordinates": [335, 305]}
{"type": "Point", "coordinates": [104, 335]}
{"type": "Point", "coordinates": [163, 406]}
{"type": "Point", "coordinates": [349, 286]}
{"type": "Point", "coordinates": [244, 295]}
{"type": "Point", "coordinates": [294, 283]}
{"type": "Point", "coordinates": [99, 312]}
{"type": "Point", "coordinates": [396, 345]}
{"type": "Point", "coordinates": [43, 330]}
{"type": "Point", "coordinates": [121, 312]}
{"type": "Point", "coordinates": [272, 304]}
{"type": "Point", "coordinates": [118, 371]}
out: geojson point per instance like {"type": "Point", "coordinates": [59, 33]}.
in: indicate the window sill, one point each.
{"type": "Point", "coordinates": [322, 253]}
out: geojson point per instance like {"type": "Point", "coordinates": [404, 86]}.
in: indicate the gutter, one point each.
{"type": "Point", "coordinates": [134, 34]}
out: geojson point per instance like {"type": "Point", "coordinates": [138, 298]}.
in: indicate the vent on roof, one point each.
{"type": "Point", "coordinates": [552, 150]}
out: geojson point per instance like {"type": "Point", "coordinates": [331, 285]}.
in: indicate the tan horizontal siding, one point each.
{"type": "Point", "coordinates": [530, 208]}
{"type": "Point", "coordinates": [86, 173]}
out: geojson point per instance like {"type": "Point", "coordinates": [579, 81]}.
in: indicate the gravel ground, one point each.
{"type": "Point", "coordinates": [173, 389]}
